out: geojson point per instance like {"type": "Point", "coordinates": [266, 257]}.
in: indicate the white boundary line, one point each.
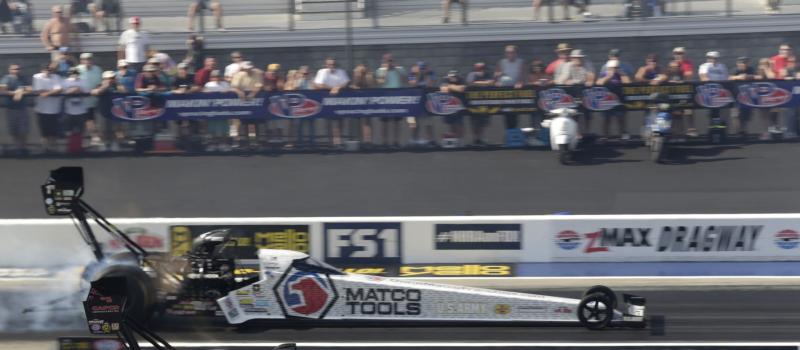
{"type": "Point", "coordinates": [474, 344]}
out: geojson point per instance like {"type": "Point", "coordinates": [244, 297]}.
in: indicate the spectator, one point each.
{"type": "Point", "coordinates": [203, 75]}
{"type": "Point", "coordinates": [391, 76]}
{"type": "Point", "coordinates": [200, 5]}
{"type": "Point", "coordinates": [789, 72]}
{"type": "Point", "coordinates": [302, 81]}
{"type": "Point", "coordinates": [247, 83]}
{"type": "Point", "coordinates": [479, 77]}
{"type": "Point", "coordinates": [537, 6]}
{"type": "Point", "coordinates": [446, 10]}
{"type": "Point", "coordinates": [764, 70]}
{"type": "Point", "coordinates": [5, 15]}
{"type": "Point", "coordinates": [454, 83]}
{"type": "Point", "coordinates": [743, 71]}
{"type": "Point", "coordinates": [113, 128]}
{"type": "Point", "coordinates": [779, 60]}
{"type": "Point", "coordinates": [133, 45]}
{"type": "Point", "coordinates": [423, 77]}
{"type": "Point", "coordinates": [273, 80]}
{"type": "Point", "coordinates": [362, 79]}
{"type": "Point", "coordinates": [537, 75]}
{"type": "Point", "coordinates": [218, 129]}
{"type": "Point", "coordinates": [184, 81]}
{"type": "Point", "coordinates": [582, 5]}
{"type": "Point", "coordinates": [333, 79]}
{"type": "Point", "coordinates": [64, 62]}
{"type": "Point", "coordinates": [163, 75]}
{"type": "Point", "coordinates": [195, 52]}
{"type": "Point", "coordinates": [510, 72]}
{"type": "Point", "coordinates": [712, 70]}
{"type": "Point", "coordinates": [125, 77]}
{"type": "Point", "coordinates": [687, 71]}
{"type": "Point", "coordinates": [75, 111]}
{"type": "Point", "coordinates": [165, 62]}
{"type": "Point", "coordinates": [575, 72]}
{"type": "Point", "coordinates": [235, 66]}
{"type": "Point", "coordinates": [562, 50]}
{"type": "Point", "coordinates": [651, 72]}
{"type": "Point", "coordinates": [92, 76]}
{"type": "Point", "coordinates": [614, 55]}
{"type": "Point", "coordinates": [56, 32]}
{"type": "Point", "coordinates": [48, 105]}
{"type": "Point", "coordinates": [674, 73]}
{"type": "Point", "coordinates": [101, 9]}
{"type": "Point", "coordinates": [614, 76]}
{"type": "Point", "coordinates": [148, 81]}
{"type": "Point", "coordinates": [15, 86]}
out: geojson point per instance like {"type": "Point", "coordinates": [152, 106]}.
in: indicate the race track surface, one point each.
{"type": "Point", "coordinates": [733, 315]}
{"type": "Point", "coordinates": [734, 178]}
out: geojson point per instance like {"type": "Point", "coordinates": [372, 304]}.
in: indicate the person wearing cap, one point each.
{"type": "Point", "coordinates": [686, 65]}
{"type": "Point", "coordinates": [92, 76]}
{"type": "Point", "coordinates": [614, 55]}
{"type": "Point", "coordinates": [712, 70]}
{"type": "Point", "coordinates": [148, 80]}
{"type": "Point", "coordinates": [184, 81]}
{"type": "Point", "coordinates": [562, 50]}
{"type": "Point", "coordinates": [246, 83]}
{"type": "Point", "coordinates": [55, 32]}
{"type": "Point", "coordinates": [14, 86]}
{"type": "Point", "coordinates": [743, 71]}
{"type": "Point", "coordinates": [48, 105]}
{"type": "Point", "coordinates": [450, 84]}
{"type": "Point", "coordinates": [218, 129]}
{"type": "Point", "coordinates": [235, 65]}
{"type": "Point", "coordinates": [510, 72]}
{"type": "Point", "coordinates": [422, 76]}
{"type": "Point", "coordinates": [126, 77]}
{"type": "Point", "coordinates": [75, 109]}
{"type": "Point", "coordinates": [201, 5]}
{"type": "Point", "coordinates": [113, 127]}
{"type": "Point", "coordinates": [613, 77]}
{"type": "Point", "coordinates": [163, 75]}
{"type": "Point", "coordinates": [391, 76]}
{"type": "Point", "coordinates": [481, 78]}
{"type": "Point", "coordinates": [575, 71]}
{"type": "Point", "coordinates": [64, 62]}
{"type": "Point", "coordinates": [133, 45]}
{"type": "Point", "coordinates": [779, 60]}
{"type": "Point", "coordinates": [332, 78]}
{"type": "Point", "coordinates": [650, 72]}
{"type": "Point", "coordinates": [203, 75]}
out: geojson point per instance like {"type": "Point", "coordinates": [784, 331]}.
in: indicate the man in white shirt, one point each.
{"type": "Point", "coordinates": [332, 78]}
{"type": "Point", "coordinates": [48, 107]}
{"type": "Point", "coordinates": [712, 70]}
{"type": "Point", "coordinates": [133, 45]}
{"type": "Point", "coordinates": [75, 110]}
{"type": "Point", "coordinates": [235, 66]}
{"type": "Point", "coordinates": [217, 127]}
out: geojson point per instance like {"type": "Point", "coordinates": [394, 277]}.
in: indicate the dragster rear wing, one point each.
{"type": "Point", "coordinates": [63, 190]}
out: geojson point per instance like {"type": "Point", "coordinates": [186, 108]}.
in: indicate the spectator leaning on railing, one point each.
{"type": "Point", "coordinates": [687, 72]}
{"type": "Point", "coordinates": [48, 105]}
{"type": "Point", "coordinates": [713, 70]}
{"type": "Point", "coordinates": [218, 129]}
{"type": "Point", "coordinates": [391, 76]}
{"type": "Point", "coordinates": [234, 66]}
{"type": "Point", "coordinates": [454, 83]}
{"type": "Point", "coordinates": [15, 86]}
{"type": "Point", "coordinates": [510, 72]}
{"type": "Point", "coordinates": [743, 71]}
{"type": "Point", "coordinates": [246, 83]}
{"type": "Point", "coordinates": [75, 110]}
{"type": "Point", "coordinates": [114, 127]}
{"type": "Point", "coordinates": [651, 72]}
{"type": "Point", "coordinates": [479, 77]}
{"type": "Point", "coordinates": [203, 75]}
{"type": "Point", "coordinates": [333, 79]}
{"type": "Point", "coordinates": [126, 78]}
{"type": "Point", "coordinates": [92, 75]}
{"type": "Point", "coordinates": [362, 79]}
{"type": "Point", "coordinates": [614, 76]}
{"type": "Point", "coordinates": [562, 50]}
{"type": "Point", "coordinates": [422, 76]}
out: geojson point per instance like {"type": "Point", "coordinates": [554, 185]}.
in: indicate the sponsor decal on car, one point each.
{"type": "Point", "coordinates": [670, 238]}
{"type": "Point", "coordinates": [461, 308]}
{"type": "Point", "coordinates": [363, 243]}
{"type": "Point", "coordinates": [249, 238]}
{"type": "Point", "coordinates": [440, 103]}
{"type": "Point", "coordinates": [135, 108]}
{"type": "Point", "coordinates": [599, 98]}
{"type": "Point", "coordinates": [713, 95]}
{"type": "Point", "coordinates": [294, 106]}
{"type": "Point", "coordinates": [787, 239]}
{"type": "Point", "coordinates": [502, 309]}
{"type": "Point", "coordinates": [305, 294]}
{"type": "Point", "coordinates": [383, 301]}
{"type": "Point", "coordinates": [762, 94]}
{"type": "Point", "coordinates": [555, 98]}
{"type": "Point", "coordinates": [530, 309]}
{"type": "Point", "coordinates": [478, 236]}
{"type": "Point", "coordinates": [438, 270]}
{"type": "Point", "coordinates": [562, 310]}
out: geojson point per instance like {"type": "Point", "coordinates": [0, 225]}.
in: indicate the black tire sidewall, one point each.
{"type": "Point", "coordinates": [599, 297]}
{"type": "Point", "coordinates": [610, 295]}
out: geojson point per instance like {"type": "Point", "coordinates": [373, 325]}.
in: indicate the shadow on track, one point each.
{"type": "Point", "coordinates": [678, 155]}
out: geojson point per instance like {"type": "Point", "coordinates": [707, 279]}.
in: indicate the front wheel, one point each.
{"type": "Point", "coordinates": [595, 311]}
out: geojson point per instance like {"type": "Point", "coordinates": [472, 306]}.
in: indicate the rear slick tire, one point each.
{"type": "Point", "coordinates": [595, 312]}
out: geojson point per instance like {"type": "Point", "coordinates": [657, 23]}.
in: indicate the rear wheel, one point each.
{"type": "Point", "coordinates": [595, 311]}
{"type": "Point", "coordinates": [612, 298]}
{"type": "Point", "coordinates": [140, 294]}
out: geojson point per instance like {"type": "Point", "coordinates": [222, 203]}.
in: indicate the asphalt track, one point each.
{"type": "Point", "coordinates": [708, 315]}
{"type": "Point", "coordinates": [732, 178]}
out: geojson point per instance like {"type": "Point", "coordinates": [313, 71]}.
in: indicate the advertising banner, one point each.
{"type": "Point", "coordinates": [478, 236]}
{"type": "Point", "coordinates": [248, 238]}
{"type": "Point", "coordinates": [499, 100]}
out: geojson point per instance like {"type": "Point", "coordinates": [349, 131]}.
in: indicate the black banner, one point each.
{"type": "Point", "coordinates": [478, 236]}
{"type": "Point", "coordinates": [249, 238]}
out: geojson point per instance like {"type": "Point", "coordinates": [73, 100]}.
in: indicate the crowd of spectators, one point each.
{"type": "Point", "coordinates": [65, 114]}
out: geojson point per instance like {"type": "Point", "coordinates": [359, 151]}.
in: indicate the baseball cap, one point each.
{"type": "Point", "coordinates": [679, 49]}
{"type": "Point", "coordinates": [577, 53]}
{"type": "Point", "coordinates": [86, 56]}
{"type": "Point", "coordinates": [183, 65]}
{"type": "Point", "coordinates": [273, 67]}
{"type": "Point", "coordinates": [150, 68]}
{"type": "Point", "coordinates": [122, 63]}
{"type": "Point", "coordinates": [247, 65]}
{"type": "Point", "coordinates": [612, 64]}
{"type": "Point", "coordinates": [153, 60]}
{"type": "Point", "coordinates": [742, 59]}
{"type": "Point", "coordinates": [712, 54]}
{"type": "Point", "coordinates": [563, 47]}
{"type": "Point", "coordinates": [135, 20]}
{"type": "Point", "coordinates": [452, 73]}
{"type": "Point", "coordinates": [109, 74]}
{"type": "Point", "coordinates": [614, 52]}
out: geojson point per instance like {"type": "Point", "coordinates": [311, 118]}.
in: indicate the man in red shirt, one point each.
{"type": "Point", "coordinates": [203, 75]}
{"type": "Point", "coordinates": [779, 60]}
{"type": "Point", "coordinates": [563, 51]}
{"type": "Point", "coordinates": [687, 68]}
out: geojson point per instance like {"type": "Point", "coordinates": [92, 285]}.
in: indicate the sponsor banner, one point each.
{"type": "Point", "coordinates": [215, 105]}
{"type": "Point", "coordinates": [444, 104]}
{"type": "Point", "coordinates": [363, 243]}
{"type": "Point", "coordinates": [89, 343]}
{"type": "Point", "coordinates": [435, 270]}
{"type": "Point", "coordinates": [478, 236]}
{"type": "Point", "coordinates": [675, 240]}
{"type": "Point", "coordinates": [498, 100]}
{"type": "Point", "coordinates": [636, 96]}
{"type": "Point", "coordinates": [249, 238]}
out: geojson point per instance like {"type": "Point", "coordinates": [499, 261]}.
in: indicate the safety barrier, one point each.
{"type": "Point", "coordinates": [371, 241]}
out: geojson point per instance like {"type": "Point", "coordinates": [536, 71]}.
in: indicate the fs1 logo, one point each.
{"type": "Point", "coordinates": [555, 98]}
{"type": "Point", "coordinates": [293, 106]}
{"type": "Point", "coordinates": [135, 108]}
{"type": "Point", "coordinates": [762, 95]}
{"type": "Point", "coordinates": [305, 294]}
{"type": "Point", "coordinates": [365, 243]}
{"type": "Point", "coordinates": [787, 239]}
{"type": "Point", "coordinates": [713, 95]}
{"type": "Point", "coordinates": [600, 99]}
{"type": "Point", "coordinates": [440, 103]}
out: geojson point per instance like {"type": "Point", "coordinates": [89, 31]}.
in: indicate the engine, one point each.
{"type": "Point", "coordinates": [209, 273]}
